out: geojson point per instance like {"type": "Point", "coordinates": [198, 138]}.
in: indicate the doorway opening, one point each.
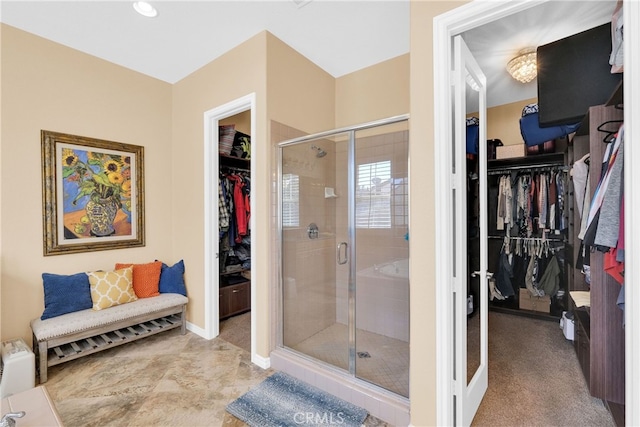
{"type": "Point", "coordinates": [446, 27]}
{"type": "Point", "coordinates": [228, 287]}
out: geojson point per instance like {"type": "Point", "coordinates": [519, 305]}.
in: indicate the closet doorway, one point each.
{"type": "Point", "coordinates": [229, 291]}
{"type": "Point", "coordinates": [463, 19]}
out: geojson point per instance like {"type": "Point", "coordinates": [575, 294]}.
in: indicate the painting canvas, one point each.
{"type": "Point", "coordinates": [92, 193]}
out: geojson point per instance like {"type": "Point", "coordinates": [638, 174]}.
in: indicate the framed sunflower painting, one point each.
{"type": "Point", "coordinates": [93, 194]}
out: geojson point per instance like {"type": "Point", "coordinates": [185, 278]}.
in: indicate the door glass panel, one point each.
{"type": "Point", "coordinates": [473, 229]}
{"type": "Point", "coordinates": [382, 257]}
{"type": "Point", "coordinates": [471, 318]}
{"type": "Point", "coordinates": [314, 222]}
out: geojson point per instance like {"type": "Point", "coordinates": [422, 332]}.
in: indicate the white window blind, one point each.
{"type": "Point", "coordinates": [373, 195]}
{"type": "Point", "coordinates": [290, 200]}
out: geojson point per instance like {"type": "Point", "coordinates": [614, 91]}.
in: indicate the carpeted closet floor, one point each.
{"type": "Point", "coordinates": [535, 378]}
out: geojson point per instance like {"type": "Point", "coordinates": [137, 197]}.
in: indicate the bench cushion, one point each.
{"type": "Point", "coordinates": [88, 319]}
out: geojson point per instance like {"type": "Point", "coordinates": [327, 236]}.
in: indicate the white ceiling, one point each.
{"type": "Point", "coordinates": [339, 36]}
{"type": "Point", "coordinates": [494, 44]}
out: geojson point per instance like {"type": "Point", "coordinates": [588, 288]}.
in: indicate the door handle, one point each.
{"type": "Point", "coordinates": [477, 273]}
{"type": "Point", "coordinates": [341, 260]}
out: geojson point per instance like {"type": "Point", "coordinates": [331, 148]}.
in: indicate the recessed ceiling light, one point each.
{"type": "Point", "coordinates": [145, 9]}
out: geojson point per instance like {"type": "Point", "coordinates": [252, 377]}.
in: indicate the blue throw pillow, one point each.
{"type": "Point", "coordinates": [172, 279]}
{"type": "Point", "coordinates": [65, 294]}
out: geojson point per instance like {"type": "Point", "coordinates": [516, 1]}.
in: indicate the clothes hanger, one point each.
{"type": "Point", "coordinates": [610, 134]}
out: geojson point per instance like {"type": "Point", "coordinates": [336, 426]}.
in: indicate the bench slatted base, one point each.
{"type": "Point", "coordinates": [53, 349]}
{"type": "Point", "coordinates": [73, 350]}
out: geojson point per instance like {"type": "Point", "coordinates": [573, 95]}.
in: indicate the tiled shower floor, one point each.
{"type": "Point", "coordinates": [387, 366]}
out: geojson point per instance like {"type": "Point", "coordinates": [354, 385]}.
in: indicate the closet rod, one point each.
{"type": "Point", "coordinates": [538, 168]}
{"type": "Point", "coordinates": [548, 238]}
{"type": "Point", "coordinates": [231, 168]}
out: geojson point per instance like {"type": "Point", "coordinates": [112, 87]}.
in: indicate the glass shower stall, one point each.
{"type": "Point", "coordinates": [343, 218]}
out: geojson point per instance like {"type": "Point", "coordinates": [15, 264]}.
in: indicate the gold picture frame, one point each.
{"type": "Point", "coordinates": [92, 194]}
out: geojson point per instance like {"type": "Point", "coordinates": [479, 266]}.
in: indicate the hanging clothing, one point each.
{"type": "Point", "coordinates": [553, 200]}
{"type": "Point", "coordinates": [612, 267]}
{"type": "Point", "coordinates": [505, 200]}
{"type": "Point", "coordinates": [616, 59]}
{"type": "Point", "coordinates": [579, 173]}
{"type": "Point", "coordinates": [607, 164]}
{"type": "Point", "coordinates": [562, 219]}
{"type": "Point", "coordinates": [223, 208]}
{"type": "Point", "coordinates": [620, 247]}
{"type": "Point", "coordinates": [542, 200]}
{"type": "Point", "coordinates": [609, 222]}
{"type": "Point", "coordinates": [550, 280]}
{"type": "Point", "coordinates": [504, 275]}
{"type": "Point", "coordinates": [585, 207]}
{"type": "Point", "coordinates": [240, 206]}
{"type": "Point", "coordinates": [611, 169]}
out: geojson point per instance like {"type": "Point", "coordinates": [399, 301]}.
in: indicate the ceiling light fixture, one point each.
{"type": "Point", "coordinates": [523, 67]}
{"type": "Point", "coordinates": [301, 3]}
{"type": "Point", "coordinates": [145, 9]}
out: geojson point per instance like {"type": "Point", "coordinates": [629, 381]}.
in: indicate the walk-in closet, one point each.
{"type": "Point", "coordinates": [555, 228]}
{"type": "Point", "coordinates": [234, 213]}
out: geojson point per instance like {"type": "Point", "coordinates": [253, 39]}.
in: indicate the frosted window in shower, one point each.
{"type": "Point", "coordinates": [373, 195]}
{"type": "Point", "coordinates": [290, 200]}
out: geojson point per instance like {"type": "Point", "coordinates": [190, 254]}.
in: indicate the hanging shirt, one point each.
{"type": "Point", "coordinates": [505, 201]}
{"type": "Point", "coordinates": [223, 209]}
{"type": "Point", "coordinates": [608, 229]}
{"type": "Point", "coordinates": [562, 219]}
{"type": "Point", "coordinates": [542, 200]}
{"type": "Point", "coordinates": [550, 280]}
{"type": "Point", "coordinates": [240, 209]}
{"type": "Point", "coordinates": [607, 164]}
{"type": "Point", "coordinates": [579, 173]}
{"type": "Point", "coordinates": [609, 161]}
{"type": "Point", "coordinates": [552, 201]}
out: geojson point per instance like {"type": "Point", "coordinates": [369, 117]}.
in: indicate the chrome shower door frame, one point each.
{"type": "Point", "coordinates": [351, 227]}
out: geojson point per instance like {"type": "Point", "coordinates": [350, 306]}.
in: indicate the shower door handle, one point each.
{"type": "Point", "coordinates": [341, 260]}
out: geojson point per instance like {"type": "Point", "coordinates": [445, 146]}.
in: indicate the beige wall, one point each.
{"type": "Point", "coordinates": [373, 93]}
{"type": "Point", "coordinates": [503, 122]}
{"type": "Point", "coordinates": [237, 73]}
{"type": "Point", "coordinates": [422, 212]}
{"type": "Point", "coordinates": [300, 94]}
{"type": "Point", "coordinates": [241, 122]}
{"type": "Point", "coordinates": [49, 86]}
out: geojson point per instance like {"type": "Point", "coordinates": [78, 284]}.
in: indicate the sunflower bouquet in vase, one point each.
{"type": "Point", "coordinates": [102, 184]}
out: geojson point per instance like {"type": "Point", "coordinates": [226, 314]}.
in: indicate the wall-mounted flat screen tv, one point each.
{"type": "Point", "coordinates": [573, 75]}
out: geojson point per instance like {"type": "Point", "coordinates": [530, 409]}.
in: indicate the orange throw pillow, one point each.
{"type": "Point", "coordinates": [146, 278]}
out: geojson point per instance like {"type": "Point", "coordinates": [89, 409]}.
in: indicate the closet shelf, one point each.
{"type": "Point", "coordinates": [548, 159]}
{"type": "Point", "coordinates": [227, 156]}
{"type": "Point", "coordinates": [227, 273]}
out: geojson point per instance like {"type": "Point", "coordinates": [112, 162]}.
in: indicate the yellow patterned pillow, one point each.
{"type": "Point", "coordinates": [109, 288]}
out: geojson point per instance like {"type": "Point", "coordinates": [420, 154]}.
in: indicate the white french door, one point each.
{"type": "Point", "coordinates": [470, 231]}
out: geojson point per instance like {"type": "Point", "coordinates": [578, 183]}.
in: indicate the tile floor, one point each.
{"type": "Point", "coordinates": [164, 380]}
{"type": "Point", "coordinates": [386, 366]}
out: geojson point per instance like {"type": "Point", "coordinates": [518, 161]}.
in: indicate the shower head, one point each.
{"type": "Point", "coordinates": [320, 151]}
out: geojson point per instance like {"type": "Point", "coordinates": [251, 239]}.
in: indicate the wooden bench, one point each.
{"type": "Point", "coordinates": [63, 338]}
